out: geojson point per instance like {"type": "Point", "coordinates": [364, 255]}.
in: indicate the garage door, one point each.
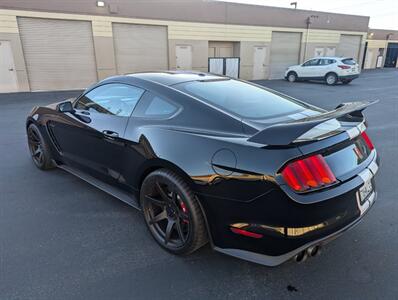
{"type": "Point", "coordinates": [59, 54]}
{"type": "Point", "coordinates": [140, 48]}
{"type": "Point", "coordinates": [349, 46]}
{"type": "Point", "coordinates": [285, 52]}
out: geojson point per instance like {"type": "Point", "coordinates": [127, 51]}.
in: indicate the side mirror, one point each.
{"type": "Point", "coordinates": [65, 107]}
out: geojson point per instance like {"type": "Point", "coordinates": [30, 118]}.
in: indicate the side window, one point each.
{"type": "Point", "coordinates": [153, 106]}
{"type": "Point", "coordinates": [312, 62]}
{"type": "Point", "coordinates": [113, 99]}
{"type": "Point", "coordinates": [325, 62]}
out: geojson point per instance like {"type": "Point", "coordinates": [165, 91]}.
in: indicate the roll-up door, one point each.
{"type": "Point", "coordinates": [285, 52]}
{"type": "Point", "coordinates": [349, 46]}
{"type": "Point", "coordinates": [140, 48]}
{"type": "Point", "coordinates": [59, 54]}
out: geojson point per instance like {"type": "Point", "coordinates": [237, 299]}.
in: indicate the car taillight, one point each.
{"type": "Point", "coordinates": [367, 140]}
{"type": "Point", "coordinates": [344, 67]}
{"type": "Point", "coordinates": [308, 173]}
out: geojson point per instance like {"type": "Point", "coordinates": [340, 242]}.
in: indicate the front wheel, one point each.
{"type": "Point", "coordinates": [172, 212]}
{"type": "Point", "coordinates": [331, 79]}
{"type": "Point", "coordinates": [38, 148]}
{"type": "Point", "coordinates": [292, 77]}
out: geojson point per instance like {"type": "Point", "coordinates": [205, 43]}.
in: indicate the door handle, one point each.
{"type": "Point", "coordinates": [11, 69]}
{"type": "Point", "coordinates": [110, 134]}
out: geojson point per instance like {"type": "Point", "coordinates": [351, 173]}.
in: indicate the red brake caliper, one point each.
{"type": "Point", "coordinates": [184, 210]}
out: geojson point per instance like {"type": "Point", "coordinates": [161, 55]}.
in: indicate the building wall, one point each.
{"type": "Point", "coordinates": [9, 32]}
{"type": "Point", "coordinates": [103, 45]}
{"type": "Point", "coordinates": [199, 53]}
{"type": "Point", "coordinates": [213, 12]}
{"type": "Point", "coordinates": [247, 57]}
{"type": "Point", "coordinates": [378, 39]}
{"type": "Point", "coordinates": [198, 35]}
{"type": "Point", "coordinates": [376, 46]}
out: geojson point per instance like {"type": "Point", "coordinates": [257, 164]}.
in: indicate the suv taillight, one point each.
{"type": "Point", "coordinates": [309, 173]}
{"type": "Point", "coordinates": [344, 67]}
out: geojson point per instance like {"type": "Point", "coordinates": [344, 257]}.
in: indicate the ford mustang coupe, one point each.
{"type": "Point", "coordinates": [206, 158]}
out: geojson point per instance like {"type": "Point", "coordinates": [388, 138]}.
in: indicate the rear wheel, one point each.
{"type": "Point", "coordinates": [172, 212]}
{"type": "Point", "coordinates": [331, 79]}
{"type": "Point", "coordinates": [39, 149]}
{"type": "Point", "coordinates": [292, 77]}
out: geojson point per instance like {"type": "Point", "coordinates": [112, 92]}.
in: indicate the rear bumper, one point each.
{"type": "Point", "coordinates": [287, 225]}
{"type": "Point", "coordinates": [272, 261]}
{"type": "Point", "coordinates": [349, 77]}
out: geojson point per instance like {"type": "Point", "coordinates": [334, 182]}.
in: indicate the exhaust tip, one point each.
{"type": "Point", "coordinates": [313, 251]}
{"type": "Point", "coordinates": [301, 256]}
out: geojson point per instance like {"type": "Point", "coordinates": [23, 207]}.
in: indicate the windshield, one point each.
{"type": "Point", "coordinates": [242, 99]}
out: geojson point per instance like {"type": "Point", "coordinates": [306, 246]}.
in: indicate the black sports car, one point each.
{"type": "Point", "coordinates": [260, 175]}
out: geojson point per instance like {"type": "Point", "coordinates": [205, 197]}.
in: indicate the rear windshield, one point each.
{"type": "Point", "coordinates": [242, 99]}
{"type": "Point", "coordinates": [349, 61]}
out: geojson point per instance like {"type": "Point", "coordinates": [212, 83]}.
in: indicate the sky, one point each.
{"type": "Point", "coordinates": [383, 13]}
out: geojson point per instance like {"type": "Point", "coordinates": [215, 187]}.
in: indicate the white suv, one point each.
{"type": "Point", "coordinates": [329, 69]}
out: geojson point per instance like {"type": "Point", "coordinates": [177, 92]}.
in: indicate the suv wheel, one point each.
{"type": "Point", "coordinates": [331, 79]}
{"type": "Point", "coordinates": [292, 77]}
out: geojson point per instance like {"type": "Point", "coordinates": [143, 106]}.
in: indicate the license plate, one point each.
{"type": "Point", "coordinates": [365, 191]}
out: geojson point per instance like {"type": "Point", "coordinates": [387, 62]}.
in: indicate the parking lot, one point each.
{"type": "Point", "coordinates": [61, 238]}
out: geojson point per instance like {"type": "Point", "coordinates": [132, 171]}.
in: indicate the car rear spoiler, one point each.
{"type": "Point", "coordinates": [284, 134]}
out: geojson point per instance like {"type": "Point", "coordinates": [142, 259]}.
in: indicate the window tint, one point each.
{"type": "Point", "coordinates": [312, 62]}
{"type": "Point", "coordinates": [242, 99]}
{"type": "Point", "coordinates": [113, 99]}
{"type": "Point", "coordinates": [349, 61]}
{"type": "Point", "coordinates": [154, 106]}
{"type": "Point", "coordinates": [159, 107]}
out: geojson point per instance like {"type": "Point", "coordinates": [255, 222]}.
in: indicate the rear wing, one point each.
{"type": "Point", "coordinates": [291, 132]}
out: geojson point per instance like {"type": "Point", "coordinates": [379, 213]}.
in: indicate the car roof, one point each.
{"type": "Point", "coordinates": [332, 57]}
{"type": "Point", "coordinates": [174, 77]}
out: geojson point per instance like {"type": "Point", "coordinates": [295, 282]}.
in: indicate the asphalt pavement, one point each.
{"type": "Point", "coordinates": [61, 238]}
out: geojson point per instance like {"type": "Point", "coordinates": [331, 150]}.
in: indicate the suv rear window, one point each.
{"type": "Point", "coordinates": [349, 61]}
{"type": "Point", "coordinates": [242, 99]}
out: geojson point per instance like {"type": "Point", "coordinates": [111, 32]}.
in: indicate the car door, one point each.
{"type": "Point", "coordinates": [325, 66]}
{"type": "Point", "coordinates": [93, 139]}
{"type": "Point", "coordinates": [152, 109]}
{"type": "Point", "coordinates": [310, 69]}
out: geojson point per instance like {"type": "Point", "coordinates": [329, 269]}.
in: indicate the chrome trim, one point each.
{"type": "Point", "coordinates": [373, 167]}
{"type": "Point", "coordinates": [367, 204]}
{"type": "Point", "coordinates": [366, 175]}
{"type": "Point", "coordinates": [353, 132]}
{"type": "Point", "coordinates": [361, 127]}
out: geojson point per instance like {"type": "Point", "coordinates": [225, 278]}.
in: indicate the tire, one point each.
{"type": "Point", "coordinates": [292, 77]}
{"type": "Point", "coordinates": [331, 79]}
{"type": "Point", "coordinates": [346, 81]}
{"type": "Point", "coordinates": [39, 150]}
{"type": "Point", "coordinates": [172, 213]}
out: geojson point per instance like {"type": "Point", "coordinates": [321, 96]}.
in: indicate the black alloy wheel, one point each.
{"type": "Point", "coordinates": [172, 213]}
{"type": "Point", "coordinates": [38, 148]}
